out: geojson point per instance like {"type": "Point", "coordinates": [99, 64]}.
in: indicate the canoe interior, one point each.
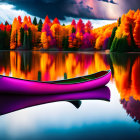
{"type": "Point", "coordinates": [81, 79]}
{"type": "Point", "coordinates": [74, 80]}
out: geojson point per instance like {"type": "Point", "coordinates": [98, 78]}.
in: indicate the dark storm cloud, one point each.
{"type": "Point", "coordinates": [53, 8]}
{"type": "Point", "coordinates": [106, 9]}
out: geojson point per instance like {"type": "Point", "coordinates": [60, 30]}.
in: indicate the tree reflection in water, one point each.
{"type": "Point", "coordinates": [50, 66]}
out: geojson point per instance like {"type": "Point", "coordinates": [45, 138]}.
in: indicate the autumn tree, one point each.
{"type": "Point", "coordinates": [80, 27]}
{"type": "Point", "coordinates": [57, 34]}
{"type": "Point", "coordinates": [14, 34]}
{"type": "Point", "coordinates": [72, 41]}
{"type": "Point", "coordinates": [19, 19]}
{"type": "Point", "coordinates": [88, 27]}
{"type": "Point", "coordinates": [46, 36]}
{"type": "Point", "coordinates": [47, 21]}
{"type": "Point", "coordinates": [137, 32]}
{"type": "Point", "coordinates": [56, 21]}
{"type": "Point", "coordinates": [80, 32]}
{"type": "Point", "coordinates": [73, 23]}
{"type": "Point", "coordinates": [87, 41]}
{"type": "Point", "coordinates": [29, 20]}
{"type": "Point", "coordinates": [73, 26]}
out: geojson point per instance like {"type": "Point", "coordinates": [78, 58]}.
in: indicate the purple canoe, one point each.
{"type": "Point", "coordinates": [12, 85]}
{"type": "Point", "coordinates": [10, 103]}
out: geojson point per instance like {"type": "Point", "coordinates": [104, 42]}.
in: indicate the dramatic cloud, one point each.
{"type": "Point", "coordinates": [7, 13]}
{"type": "Point", "coordinates": [53, 8]}
{"type": "Point", "coordinates": [104, 9]}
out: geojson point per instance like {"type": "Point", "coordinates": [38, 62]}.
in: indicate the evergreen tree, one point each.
{"type": "Point", "coordinates": [21, 35]}
{"type": "Point", "coordinates": [73, 30]}
{"type": "Point", "coordinates": [114, 44]}
{"type": "Point", "coordinates": [40, 25]}
{"type": "Point", "coordinates": [112, 37]}
{"type": "Point", "coordinates": [119, 21]}
{"type": "Point", "coordinates": [25, 41]}
{"type": "Point", "coordinates": [4, 40]}
{"type": "Point", "coordinates": [120, 45]}
{"type": "Point", "coordinates": [35, 21]}
{"type": "Point", "coordinates": [1, 40]}
{"type": "Point", "coordinates": [65, 43]}
{"type": "Point", "coordinates": [6, 23]}
{"type": "Point", "coordinates": [123, 45]}
{"type": "Point", "coordinates": [29, 39]}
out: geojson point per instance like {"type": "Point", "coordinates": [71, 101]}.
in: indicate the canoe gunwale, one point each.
{"type": "Point", "coordinates": [55, 82]}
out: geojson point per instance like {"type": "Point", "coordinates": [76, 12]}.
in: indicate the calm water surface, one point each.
{"type": "Point", "coordinates": [94, 119]}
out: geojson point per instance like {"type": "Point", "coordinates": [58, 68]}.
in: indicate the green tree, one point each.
{"type": "Point", "coordinates": [29, 39]}
{"type": "Point", "coordinates": [120, 45]}
{"type": "Point", "coordinates": [25, 41]}
{"type": "Point", "coordinates": [40, 25]}
{"type": "Point", "coordinates": [112, 37]}
{"type": "Point", "coordinates": [21, 35]}
{"type": "Point", "coordinates": [123, 45]}
{"type": "Point", "coordinates": [65, 43]}
{"type": "Point", "coordinates": [35, 21]}
{"type": "Point", "coordinates": [73, 30]}
{"type": "Point", "coordinates": [114, 44]}
{"type": "Point", "coordinates": [119, 21]}
{"type": "Point", "coordinates": [4, 40]}
{"type": "Point", "coordinates": [6, 23]}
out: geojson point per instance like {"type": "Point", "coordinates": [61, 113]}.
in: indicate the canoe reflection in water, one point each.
{"type": "Point", "coordinates": [10, 103]}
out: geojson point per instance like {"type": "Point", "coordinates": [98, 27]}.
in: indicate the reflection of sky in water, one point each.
{"type": "Point", "coordinates": [94, 119]}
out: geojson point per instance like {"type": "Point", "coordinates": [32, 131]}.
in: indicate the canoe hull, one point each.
{"type": "Point", "coordinates": [18, 86]}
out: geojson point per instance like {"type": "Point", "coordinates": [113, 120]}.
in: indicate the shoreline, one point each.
{"type": "Point", "coordinates": [80, 51]}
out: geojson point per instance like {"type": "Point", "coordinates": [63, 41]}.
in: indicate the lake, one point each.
{"type": "Point", "coordinates": [118, 118]}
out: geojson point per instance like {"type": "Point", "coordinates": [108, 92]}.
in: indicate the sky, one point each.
{"type": "Point", "coordinates": [88, 9]}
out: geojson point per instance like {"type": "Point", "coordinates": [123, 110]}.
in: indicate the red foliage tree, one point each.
{"type": "Point", "coordinates": [88, 27]}
{"type": "Point", "coordinates": [80, 26]}
{"type": "Point", "coordinates": [19, 19]}
{"type": "Point", "coordinates": [47, 21]}
{"type": "Point", "coordinates": [29, 19]}
{"type": "Point", "coordinates": [73, 23]}
{"type": "Point", "coordinates": [56, 21]}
